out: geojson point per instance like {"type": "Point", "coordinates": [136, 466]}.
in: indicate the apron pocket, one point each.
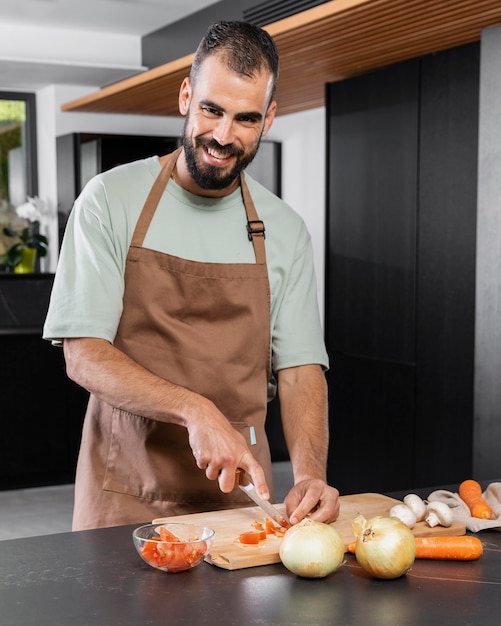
{"type": "Point", "coordinates": [153, 460]}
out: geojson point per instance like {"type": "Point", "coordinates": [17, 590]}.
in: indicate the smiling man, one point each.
{"type": "Point", "coordinates": [227, 114]}
{"type": "Point", "coordinates": [184, 298]}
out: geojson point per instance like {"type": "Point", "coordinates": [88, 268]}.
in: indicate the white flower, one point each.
{"type": "Point", "coordinates": [33, 210]}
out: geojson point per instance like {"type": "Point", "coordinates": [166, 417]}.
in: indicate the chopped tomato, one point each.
{"type": "Point", "coordinates": [263, 530]}
{"type": "Point", "coordinates": [170, 552]}
{"type": "Point", "coordinates": [252, 536]}
{"type": "Point", "coordinates": [149, 549]}
{"type": "Point", "coordinates": [270, 526]}
{"type": "Point", "coordinates": [167, 535]}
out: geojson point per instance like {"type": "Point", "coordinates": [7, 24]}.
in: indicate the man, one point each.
{"type": "Point", "coordinates": [183, 289]}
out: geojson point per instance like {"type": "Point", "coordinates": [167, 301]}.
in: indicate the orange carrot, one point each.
{"type": "Point", "coordinates": [471, 493]}
{"type": "Point", "coordinates": [464, 548]}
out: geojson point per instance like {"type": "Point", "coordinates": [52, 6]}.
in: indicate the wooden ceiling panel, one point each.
{"type": "Point", "coordinates": [328, 43]}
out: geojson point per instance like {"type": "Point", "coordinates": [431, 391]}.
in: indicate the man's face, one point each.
{"type": "Point", "coordinates": [226, 116]}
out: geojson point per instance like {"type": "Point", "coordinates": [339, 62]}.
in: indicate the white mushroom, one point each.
{"type": "Point", "coordinates": [404, 514]}
{"type": "Point", "coordinates": [438, 514]}
{"type": "Point", "coordinates": [416, 505]}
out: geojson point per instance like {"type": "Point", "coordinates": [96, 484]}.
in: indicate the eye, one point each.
{"type": "Point", "coordinates": [249, 119]}
{"type": "Point", "coordinates": [209, 110]}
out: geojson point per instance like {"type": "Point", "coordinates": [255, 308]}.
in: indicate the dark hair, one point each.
{"type": "Point", "coordinates": [246, 49]}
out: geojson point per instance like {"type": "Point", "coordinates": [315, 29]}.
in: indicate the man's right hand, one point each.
{"type": "Point", "coordinates": [220, 450]}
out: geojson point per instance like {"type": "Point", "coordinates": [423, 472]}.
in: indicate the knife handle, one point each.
{"type": "Point", "coordinates": [240, 477]}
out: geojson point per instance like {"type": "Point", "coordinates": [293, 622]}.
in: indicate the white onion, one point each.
{"type": "Point", "coordinates": [385, 547]}
{"type": "Point", "coordinates": [312, 549]}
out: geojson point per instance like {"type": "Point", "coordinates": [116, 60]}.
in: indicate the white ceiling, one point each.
{"type": "Point", "coordinates": [133, 17]}
{"type": "Point", "coordinates": [79, 42]}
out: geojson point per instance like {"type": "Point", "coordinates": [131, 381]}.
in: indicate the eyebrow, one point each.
{"type": "Point", "coordinates": [255, 116]}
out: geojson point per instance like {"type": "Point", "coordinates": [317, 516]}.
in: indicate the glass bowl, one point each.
{"type": "Point", "coordinates": [172, 547]}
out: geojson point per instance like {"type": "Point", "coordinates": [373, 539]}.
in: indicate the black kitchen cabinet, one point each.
{"type": "Point", "coordinates": [42, 410]}
{"type": "Point", "coordinates": [42, 414]}
{"type": "Point", "coordinates": [400, 272]}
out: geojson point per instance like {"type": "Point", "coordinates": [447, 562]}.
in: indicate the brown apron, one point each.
{"type": "Point", "coordinates": [204, 326]}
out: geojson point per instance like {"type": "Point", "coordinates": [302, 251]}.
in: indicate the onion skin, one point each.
{"type": "Point", "coordinates": [312, 549]}
{"type": "Point", "coordinates": [385, 547]}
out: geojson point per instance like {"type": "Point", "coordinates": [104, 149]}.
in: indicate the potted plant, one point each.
{"type": "Point", "coordinates": [29, 244]}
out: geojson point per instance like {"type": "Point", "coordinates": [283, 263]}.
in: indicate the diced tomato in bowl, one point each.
{"type": "Point", "coordinates": [173, 547]}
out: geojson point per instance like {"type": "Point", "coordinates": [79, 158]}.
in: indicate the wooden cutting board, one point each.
{"type": "Point", "coordinates": [228, 553]}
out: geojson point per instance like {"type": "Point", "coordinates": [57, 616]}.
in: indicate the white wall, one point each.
{"type": "Point", "coordinates": [47, 180]}
{"type": "Point", "coordinates": [79, 48]}
{"type": "Point", "coordinates": [303, 157]}
{"type": "Point", "coordinates": [487, 422]}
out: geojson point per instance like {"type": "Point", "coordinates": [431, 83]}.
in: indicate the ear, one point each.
{"type": "Point", "coordinates": [185, 96]}
{"type": "Point", "coordinates": [269, 117]}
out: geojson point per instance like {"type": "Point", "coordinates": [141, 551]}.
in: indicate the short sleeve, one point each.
{"type": "Point", "coordinates": [86, 299]}
{"type": "Point", "coordinates": [297, 334]}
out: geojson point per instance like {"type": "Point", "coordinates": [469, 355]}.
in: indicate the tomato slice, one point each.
{"type": "Point", "coordinates": [149, 550]}
{"type": "Point", "coordinates": [167, 535]}
{"type": "Point", "coordinates": [270, 526]}
{"type": "Point", "coordinates": [174, 555]}
{"type": "Point", "coordinates": [252, 536]}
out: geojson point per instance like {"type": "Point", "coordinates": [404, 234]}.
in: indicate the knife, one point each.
{"type": "Point", "coordinates": [268, 508]}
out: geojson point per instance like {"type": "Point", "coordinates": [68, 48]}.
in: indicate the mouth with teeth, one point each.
{"type": "Point", "coordinates": [219, 156]}
{"type": "Point", "coordinates": [213, 166]}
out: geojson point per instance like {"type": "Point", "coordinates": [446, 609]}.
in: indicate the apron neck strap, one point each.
{"type": "Point", "coordinates": [255, 227]}
{"type": "Point", "coordinates": [150, 206]}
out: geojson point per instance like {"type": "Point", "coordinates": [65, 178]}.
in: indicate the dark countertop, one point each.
{"type": "Point", "coordinates": [96, 578]}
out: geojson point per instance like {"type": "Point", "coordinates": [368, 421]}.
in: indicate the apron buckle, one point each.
{"type": "Point", "coordinates": [255, 228]}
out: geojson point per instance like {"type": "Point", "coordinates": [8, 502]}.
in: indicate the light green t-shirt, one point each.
{"type": "Point", "coordinates": [86, 299]}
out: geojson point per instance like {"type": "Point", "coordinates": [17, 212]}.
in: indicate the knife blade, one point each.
{"type": "Point", "coordinates": [268, 508]}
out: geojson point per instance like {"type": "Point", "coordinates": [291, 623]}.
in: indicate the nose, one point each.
{"type": "Point", "coordinates": [223, 132]}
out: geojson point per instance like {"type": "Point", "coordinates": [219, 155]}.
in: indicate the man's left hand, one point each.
{"type": "Point", "coordinates": [312, 498]}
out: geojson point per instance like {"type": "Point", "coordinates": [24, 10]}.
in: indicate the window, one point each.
{"type": "Point", "coordinates": [18, 171]}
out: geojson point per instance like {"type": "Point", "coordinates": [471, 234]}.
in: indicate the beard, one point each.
{"type": "Point", "coordinates": [212, 177]}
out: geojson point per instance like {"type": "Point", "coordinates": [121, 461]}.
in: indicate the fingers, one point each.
{"type": "Point", "coordinates": [256, 474]}
{"type": "Point", "coordinates": [226, 479]}
{"type": "Point", "coordinates": [313, 499]}
{"type": "Point", "coordinates": [253, 471]}
{"type": "Point", "coordinates": [224, 471]}
{"type": "Point", "coordinates": [220, 450]}
{"type": "Point", "coordinates": [322, 513]}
